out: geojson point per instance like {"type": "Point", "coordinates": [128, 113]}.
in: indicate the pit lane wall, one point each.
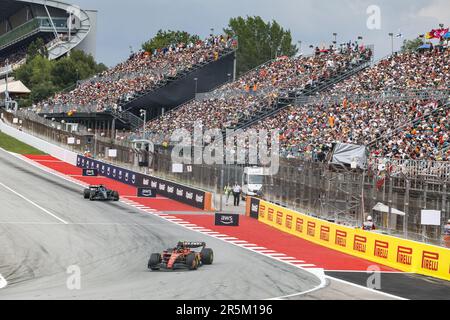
{"type": "Point", "coordinates": [400, 254]}
{"type": "Point", "coordinates": [40, 144]}
{"type": "Point", "coordinates": [193, 197]}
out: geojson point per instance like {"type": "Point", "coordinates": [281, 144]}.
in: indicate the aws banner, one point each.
{"type": "Point", "coordinates": [174, 191]}
{"type": "Point", "coordinates": [401, 254]}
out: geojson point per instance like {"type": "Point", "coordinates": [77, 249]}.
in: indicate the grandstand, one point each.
{"type": "Point", "coordinates": [369, 106]}
{"type": "Point", "coordinates": [155, 82]}
{"type": "Point", "coordinates": [62, 26]}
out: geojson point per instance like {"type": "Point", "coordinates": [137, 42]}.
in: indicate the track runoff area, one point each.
{"type": "Point", "coordinates": [50, 235]}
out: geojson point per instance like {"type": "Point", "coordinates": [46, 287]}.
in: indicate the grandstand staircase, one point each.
{"type": "Point", "coordinates": [128, 119]}
{"type": "Point", "coordinates": [298, 97]}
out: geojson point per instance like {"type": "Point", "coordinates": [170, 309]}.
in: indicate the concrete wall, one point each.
{"type": "Point", "coordinates": [55, 151]}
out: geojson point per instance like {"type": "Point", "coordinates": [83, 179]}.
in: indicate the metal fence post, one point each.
{"type": "Point", "coordinates": [406, 218]}
{"type": "Point", "coordinates": [388, 224]}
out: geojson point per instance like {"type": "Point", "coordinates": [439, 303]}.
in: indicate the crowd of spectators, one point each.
{"type": "Point", "coordinates": [13, 58]}
{"type": "Point", "coordinates": [260, 88]}
{"type": "Point", "coordinates": [402, 129]}
{"type": "Point", "coordinates": [310, 130]}
{"type": "Point", "coordinates": [394, 128]}
{"type": "Point", "coordinates": [141, 72]}
{"type": "Point", "coordinates": [419, 70]}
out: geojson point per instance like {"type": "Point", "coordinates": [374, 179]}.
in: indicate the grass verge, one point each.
{"type": "Point", "coordinates": [13, 145]}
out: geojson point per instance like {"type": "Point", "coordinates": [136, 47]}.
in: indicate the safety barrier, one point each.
{"type": "Point", "coordinates": [40, 144]}
{"type": "Point", "coordinates": [400, 254]}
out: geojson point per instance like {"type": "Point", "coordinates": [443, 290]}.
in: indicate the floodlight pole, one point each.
{"type": "Point", "coordinates": [392, 42]}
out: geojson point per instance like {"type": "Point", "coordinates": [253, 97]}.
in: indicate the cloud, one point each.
{"type": "Point", "coordinates": [439, 10]}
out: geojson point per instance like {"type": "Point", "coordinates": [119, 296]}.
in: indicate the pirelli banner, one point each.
{"type": "Point", "coordinates": [400, 254]}
{"type": "Point", "coordinates": [174, 191]}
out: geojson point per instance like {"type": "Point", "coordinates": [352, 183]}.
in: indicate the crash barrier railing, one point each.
{"type": "Point", "coordinates": [175, 191]}
{"type": "Point", "coordinates": [33, 116]}
{"type": "Point", "coordinates": [426, 169]}
{"type": "Point", "coordinates": [400, 254]}
{"type": "Point", "coordinates": [389, 95]}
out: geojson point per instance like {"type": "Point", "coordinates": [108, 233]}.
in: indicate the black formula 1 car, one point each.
{"type": "Point", "coordinates": [182, 257]}
{"type": "Point", "coordinates": [100, 193]}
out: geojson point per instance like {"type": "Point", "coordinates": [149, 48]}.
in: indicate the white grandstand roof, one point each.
{"type": "Point", "coordinates": [16, 87]}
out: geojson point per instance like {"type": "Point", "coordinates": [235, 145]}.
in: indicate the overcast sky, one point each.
{"type": "Point", "coordinates": [122, 24]}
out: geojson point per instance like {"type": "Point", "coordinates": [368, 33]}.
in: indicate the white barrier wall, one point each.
{"type": "Point", "coordinates": [51, 149]}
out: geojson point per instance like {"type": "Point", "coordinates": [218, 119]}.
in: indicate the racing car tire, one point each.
{"type": "Point", "coordinates": [191, 261]}
{"type": "Point", "coordinates": [87, 193]}
{"type": "Point", "coordinates": [115, 196]}
{"type": "Point", "coordinates": [207, 255]}
{"type": "Point", "coordinates": [155, 260]}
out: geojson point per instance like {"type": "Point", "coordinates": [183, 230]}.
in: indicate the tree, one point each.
{"type": "Point", "coordinates": [259, 41]}
{"type": "Point", "coordinates": [36, 48]}
{"type": "Point", "coordinates": [44, 77]}
{"type": "Point", "coordinates": [164, 39]}
{"type": "Point", "coordinates": [412, 45]}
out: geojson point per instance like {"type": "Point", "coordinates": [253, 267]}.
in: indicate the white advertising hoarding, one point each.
{"type": "Point", "coordinates": [177, 168]}
{"type": "Point", "coordinates": [431, 218]}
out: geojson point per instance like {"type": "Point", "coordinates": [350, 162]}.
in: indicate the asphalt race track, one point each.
{"type": "Point", "coordinates": [46, 226]}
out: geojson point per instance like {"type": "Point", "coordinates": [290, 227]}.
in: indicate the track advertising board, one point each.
{"type": "Point", "coordinates": [171, 190]}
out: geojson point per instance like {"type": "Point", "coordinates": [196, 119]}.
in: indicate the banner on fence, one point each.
{"type": "Point", "coordinates": [400, 254]}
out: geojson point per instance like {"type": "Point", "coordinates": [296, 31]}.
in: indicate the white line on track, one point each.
{"type": "Point", "coordinates": [33, 203]}
{"type": "Point", "coordinates": [366, 288]}
{"type": "Point", "coordinates": [3, 282]}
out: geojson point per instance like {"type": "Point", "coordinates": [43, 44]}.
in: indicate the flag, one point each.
{"type": "Point", "coordinates": [381, 178]}
{"type": "Point", "coordinates": [436, 33]}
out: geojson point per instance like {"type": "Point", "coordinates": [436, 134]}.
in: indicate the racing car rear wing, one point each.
{"type": "Point", "coordinates": [191, 245]}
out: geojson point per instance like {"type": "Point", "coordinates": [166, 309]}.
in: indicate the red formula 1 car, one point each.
{"type": "Point", "coordinates": [182, 257]}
